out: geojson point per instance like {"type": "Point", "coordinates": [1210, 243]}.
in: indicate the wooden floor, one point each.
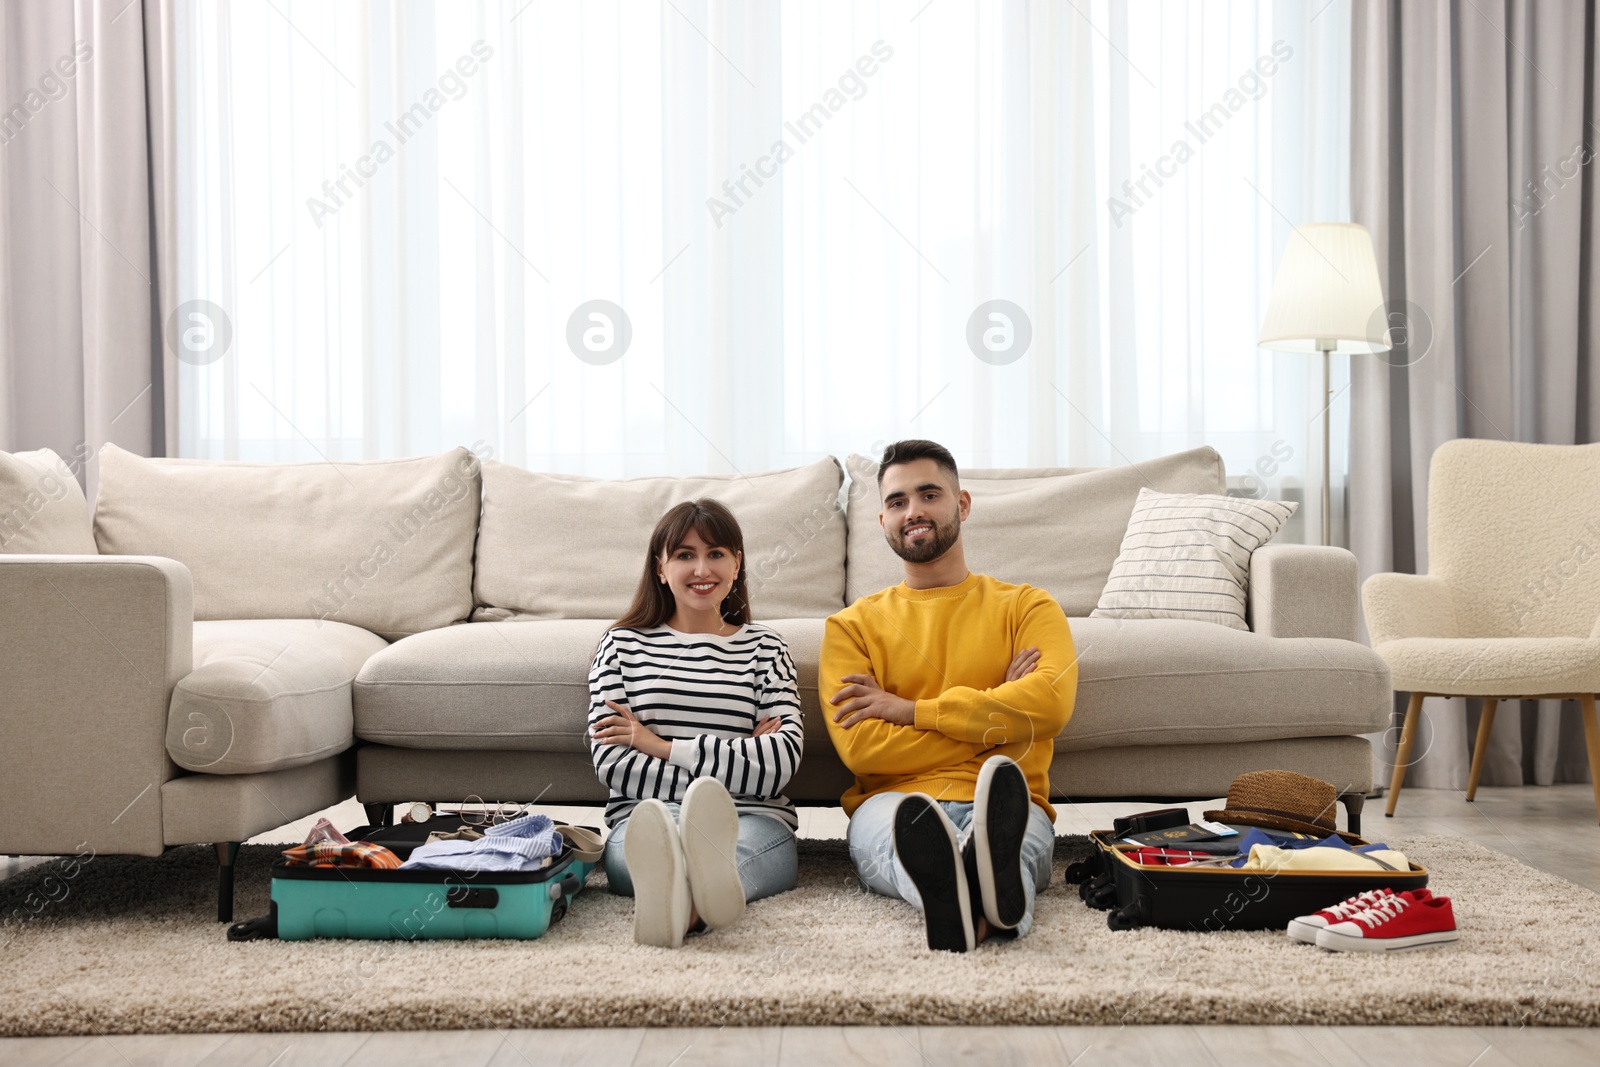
{"type": "Point", "coordinates": [1236, 1046]}
{"type": "Point", "coordinates": [1551, 828]}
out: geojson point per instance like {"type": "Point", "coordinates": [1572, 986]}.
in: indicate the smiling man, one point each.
{"type": "Point", "coordinates": [943, 695]}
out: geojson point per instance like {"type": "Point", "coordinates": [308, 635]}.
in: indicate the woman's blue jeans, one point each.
{"type": "Point", "coordinates": [767, 860]}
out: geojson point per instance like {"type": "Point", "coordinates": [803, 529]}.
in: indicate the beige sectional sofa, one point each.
{"type": "Point", "coordinates": [242, 645]}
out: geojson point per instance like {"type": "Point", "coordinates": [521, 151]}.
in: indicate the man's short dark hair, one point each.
{"type": "Point", "coordinates": [911, 451]}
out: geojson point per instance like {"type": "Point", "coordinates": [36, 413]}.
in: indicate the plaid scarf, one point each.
{"type": "Point", "coordinates": [341, 854]}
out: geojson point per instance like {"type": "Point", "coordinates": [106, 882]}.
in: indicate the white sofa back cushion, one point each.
{"type": "Point", "coordinates": [386, 545]}
{"type": "Point", "coordinates": [560, 546]}
{"type": "Point", "coordinates": [42, 508]}
{"type": "Point", "coordinates": [1059, 530]}
{"type": "Point", "coordinates": [1187, 556]}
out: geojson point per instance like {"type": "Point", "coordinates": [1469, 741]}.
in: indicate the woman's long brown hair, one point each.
{"type": "Point", "coordinates": [653, 603]}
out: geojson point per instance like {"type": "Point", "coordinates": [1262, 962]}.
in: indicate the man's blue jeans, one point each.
{"type": "Point", "coordinates": [767, 859]}
{"type": "Point", "coordinates": [871, 838]}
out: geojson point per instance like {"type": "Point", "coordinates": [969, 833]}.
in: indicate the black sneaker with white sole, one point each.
{"type": "Point", "coordinates": [926, 844]}
{"type": "Point", "coordinates": [1000, 808]}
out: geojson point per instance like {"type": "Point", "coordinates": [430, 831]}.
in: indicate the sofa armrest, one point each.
{"type": "Point", "coordinates": [1408, 605]}
{"type": "Point", "coordinates": [1303, 591]}
{"type": "Point", "coordinates": [90, 649]}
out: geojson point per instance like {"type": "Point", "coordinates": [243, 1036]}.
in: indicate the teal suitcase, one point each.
{"type": "Point", "coordinates": [413, 905]}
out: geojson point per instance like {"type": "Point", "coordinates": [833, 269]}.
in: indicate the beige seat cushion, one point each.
{"type": "Point", "coordinates": [1175, 682]}
{"type": "Point", "coordinates": [513, 685]}
{"type": "Point", "coordinates": [1058, 530]}
{"type": "Point", "coordinates": [42, 508]}
{"type": "Point", "coordinates": [1494, 666]}
{"type": "Point", "coordinates": [558, 546]}
{"type": "Point", "coordinates": [524, 686]}
{"type": "Point", "coordinates": [266, 694]}
{"type": "Point", "coordinates": [386, 545]}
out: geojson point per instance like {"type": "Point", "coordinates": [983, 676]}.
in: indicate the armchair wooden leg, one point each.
{"type": "Point", "coordinates": [1408, 735]}
{"type": "Point", "coordinates": [1485, 724]}
{"type": "Point", "coordinates": [1591, 735]}
{"type": "Point", "coordinates": [227, 852]}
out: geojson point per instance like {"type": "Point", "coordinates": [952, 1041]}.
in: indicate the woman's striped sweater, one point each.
{"type": "Point", "coordinates": [705, 694]}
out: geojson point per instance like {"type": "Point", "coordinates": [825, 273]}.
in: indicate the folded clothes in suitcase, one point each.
{"type": "Point", "coordinates": [1215, 897]}
{"type": "Point", "coordinates": [421, 904]}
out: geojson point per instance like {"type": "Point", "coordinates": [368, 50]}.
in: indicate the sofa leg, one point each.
{"type": "Point", "coordinates": [227, 852]}
{"type": "Point", "coordinates": [1352, 810]}
{"type": "Point", "coordinates": [379, 814]}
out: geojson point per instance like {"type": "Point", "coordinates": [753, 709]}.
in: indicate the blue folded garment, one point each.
{"type": "Point", "coordinates": [518, 845]}
{"type": "Point", "coordinates": [1257, 836]}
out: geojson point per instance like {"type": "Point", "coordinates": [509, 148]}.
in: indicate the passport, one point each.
{"type": "Point", "coordinates": [1191, 836]}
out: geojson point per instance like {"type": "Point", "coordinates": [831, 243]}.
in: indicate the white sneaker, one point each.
{"type": "Point", "coordinates": [710, 832]}
{"type": "Point", "coordinates": [660, 876]}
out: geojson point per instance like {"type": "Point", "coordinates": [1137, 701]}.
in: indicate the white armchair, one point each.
{"type": "Point", "coordinates": [1510, 608]}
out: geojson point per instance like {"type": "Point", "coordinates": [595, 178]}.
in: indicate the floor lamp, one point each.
{"type": "Point", "coordinates": [1327, 298]}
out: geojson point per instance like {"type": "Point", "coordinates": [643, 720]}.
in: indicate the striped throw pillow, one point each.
{"type": "Point", "coordinates": [1187, 556]}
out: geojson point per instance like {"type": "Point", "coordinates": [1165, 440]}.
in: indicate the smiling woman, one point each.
{"type": "Point", "coordinates": [694, 724]}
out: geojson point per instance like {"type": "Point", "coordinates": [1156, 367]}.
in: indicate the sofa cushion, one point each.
{"type": "Point", "coordinates": [1494, 666]}
{"type": "Point", "coordinates": [559, 546]}
{"type": "Point", "coordinates": [1176, 682]}
{"type": "Point", "coordinates": [514, 685]}
{"type": "Point", "coordinates": [1057, 530]}
{"type": "Point", "coordinates": [266, 694]}
{"type": "Point", "coordinates": [386, 546]}
{"type": "Point", "coordinates": [1187, 556]}
{"type": "Point", "coordinates": [42, 508]}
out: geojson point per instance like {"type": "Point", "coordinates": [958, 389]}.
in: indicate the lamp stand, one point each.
{"type": "Point", "coordinates": [1327, 420]}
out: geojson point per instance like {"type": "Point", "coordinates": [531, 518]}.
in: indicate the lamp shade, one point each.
{"type": "Point", "coordinates": [1326, 295]}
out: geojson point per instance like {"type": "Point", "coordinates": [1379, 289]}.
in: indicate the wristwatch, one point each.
{"type": "Point", "coordinates": [418, 812]}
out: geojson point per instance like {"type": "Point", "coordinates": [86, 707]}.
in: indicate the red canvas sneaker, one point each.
{"type": "Point", "coordinates": [1393, 923]}
{"type": "Point", "coordinates": [1306, 927]}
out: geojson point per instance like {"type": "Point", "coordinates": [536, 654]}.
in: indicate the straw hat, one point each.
{"type": "Point", "coordinates": [1283, 800]}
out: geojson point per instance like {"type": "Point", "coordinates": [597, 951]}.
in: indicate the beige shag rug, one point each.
{"type": "Point", "coordinates": [129, 946]}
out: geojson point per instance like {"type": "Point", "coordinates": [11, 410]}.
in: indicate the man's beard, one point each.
{"type": "Point", "coordinates": [929, 548]}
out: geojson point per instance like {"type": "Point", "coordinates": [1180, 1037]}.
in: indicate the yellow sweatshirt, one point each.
{"type": "Point", "coordinates": [948, 649]}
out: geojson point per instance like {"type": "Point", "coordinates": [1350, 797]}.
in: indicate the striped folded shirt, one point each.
{"type": "Point", "coordinates": [523, 844]}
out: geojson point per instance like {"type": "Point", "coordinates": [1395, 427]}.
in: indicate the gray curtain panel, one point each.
{"type": "Point", "coordinates": [87, 227]}
{"type": "Point", "coordinates": [1473, 137]}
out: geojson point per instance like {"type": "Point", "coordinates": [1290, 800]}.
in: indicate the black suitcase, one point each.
{"type": "Point", "coordinates": [1210, 899]}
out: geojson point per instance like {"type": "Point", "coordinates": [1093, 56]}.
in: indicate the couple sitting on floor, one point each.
{"type": "Point", "coordinates": [943, 696]}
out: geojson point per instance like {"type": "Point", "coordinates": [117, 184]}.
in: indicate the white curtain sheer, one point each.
{"type": "Point", "coordinates": [798, 207]}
